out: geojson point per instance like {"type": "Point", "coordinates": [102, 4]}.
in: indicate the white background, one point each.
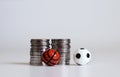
{"type": "Point", "coordinates": [93, 24]}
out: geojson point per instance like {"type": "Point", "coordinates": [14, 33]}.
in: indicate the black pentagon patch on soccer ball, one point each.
{"type": "Point", "coordinates": [78, 55]}
{"type": "Point", "coordinates": [88, 55]}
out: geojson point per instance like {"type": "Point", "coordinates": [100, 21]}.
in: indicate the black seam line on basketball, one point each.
{"type": "Point", "coordinates": [56, 59]}
{"type": "Point", "coordinates": [51, 57]}
{"type": "Point", "coordinates": [52, 63]}
{"type": "Point", "coordinates": [44, 57]}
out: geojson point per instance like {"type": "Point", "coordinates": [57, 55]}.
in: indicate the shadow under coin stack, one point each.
{"type": "Point", "coordinates": [38, 46]}
{"type": "Point", "coordinates": [63, 47]}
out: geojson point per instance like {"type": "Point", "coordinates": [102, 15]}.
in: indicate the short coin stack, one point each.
{"type": "Point", "coordinates": [63, 47]}
{"type": "Point", "coordinates": [38, 46]}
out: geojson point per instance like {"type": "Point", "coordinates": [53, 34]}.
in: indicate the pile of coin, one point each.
{"type": "Point", "coordinates": [63, 47]}
{"type": "Point", "coordinates": [38, 46]}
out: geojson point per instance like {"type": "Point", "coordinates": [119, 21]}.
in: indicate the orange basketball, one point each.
{"type": "Point", "coordinates": [51, 57]}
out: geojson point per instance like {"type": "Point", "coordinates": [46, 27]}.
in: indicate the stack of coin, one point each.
{"type": "Point", "coordinates": [63, 47]}
{"type": "Point", "coordinates": [38, 46]}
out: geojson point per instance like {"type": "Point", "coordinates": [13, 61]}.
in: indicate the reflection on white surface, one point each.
{"type": "Point", "coordinates": [59, 71]}
{"type": "Point", "coordinates": [45, 71]}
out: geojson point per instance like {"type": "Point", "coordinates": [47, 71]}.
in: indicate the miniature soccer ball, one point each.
{"type": "Point", "coordinates": [82, 56]}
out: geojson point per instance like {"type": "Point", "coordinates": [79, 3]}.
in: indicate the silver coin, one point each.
{"type": "Point", "coordinates": [64, 58]}
{"type": "Point", "coordinates": [35, 56]}
{"type": "Point", "coordinates": [60, 50]}
{"type": "Point", "coordinates": [61, 40]}
{"type": "Point", "coordinates": [32, 58]}
{"type": "Point", "coordinates": [64, 54]}
{"type": "Point", "coordinates": [39, 40]}
{"type": "Point", "coordinates": [36, 53]}
{"type": "Point", "coordinates": [39, 45]}
{"type": "Point", "coordinates": [35, 59]}
{"type": "Point", "coordinates": [61, 46]}
{"type": "Point", "coordinates": [64, 63]}
{"type": "Point", "coordinates": [38, 50]}
{"type": "Point", "coordinates": [60, 43]}
{"type": "Point", "coordinates": [67, 52]}
{"type": "Point", "coordinates": [36, 63]}
{"type": "Point", "coordinates": [67, 63]}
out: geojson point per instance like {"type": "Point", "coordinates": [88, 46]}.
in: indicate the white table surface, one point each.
{"type": "Point", "coordinates": [105, 63]}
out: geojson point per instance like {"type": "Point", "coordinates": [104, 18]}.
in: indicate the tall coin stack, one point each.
{"type": "Point", "coordinates": [38, 46]}
{"type": "Point", "coordinates": [63, 47]}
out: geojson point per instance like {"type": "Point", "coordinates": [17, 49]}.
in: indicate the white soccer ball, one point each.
{"type": "Point", "coordinates": [82, 56]}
